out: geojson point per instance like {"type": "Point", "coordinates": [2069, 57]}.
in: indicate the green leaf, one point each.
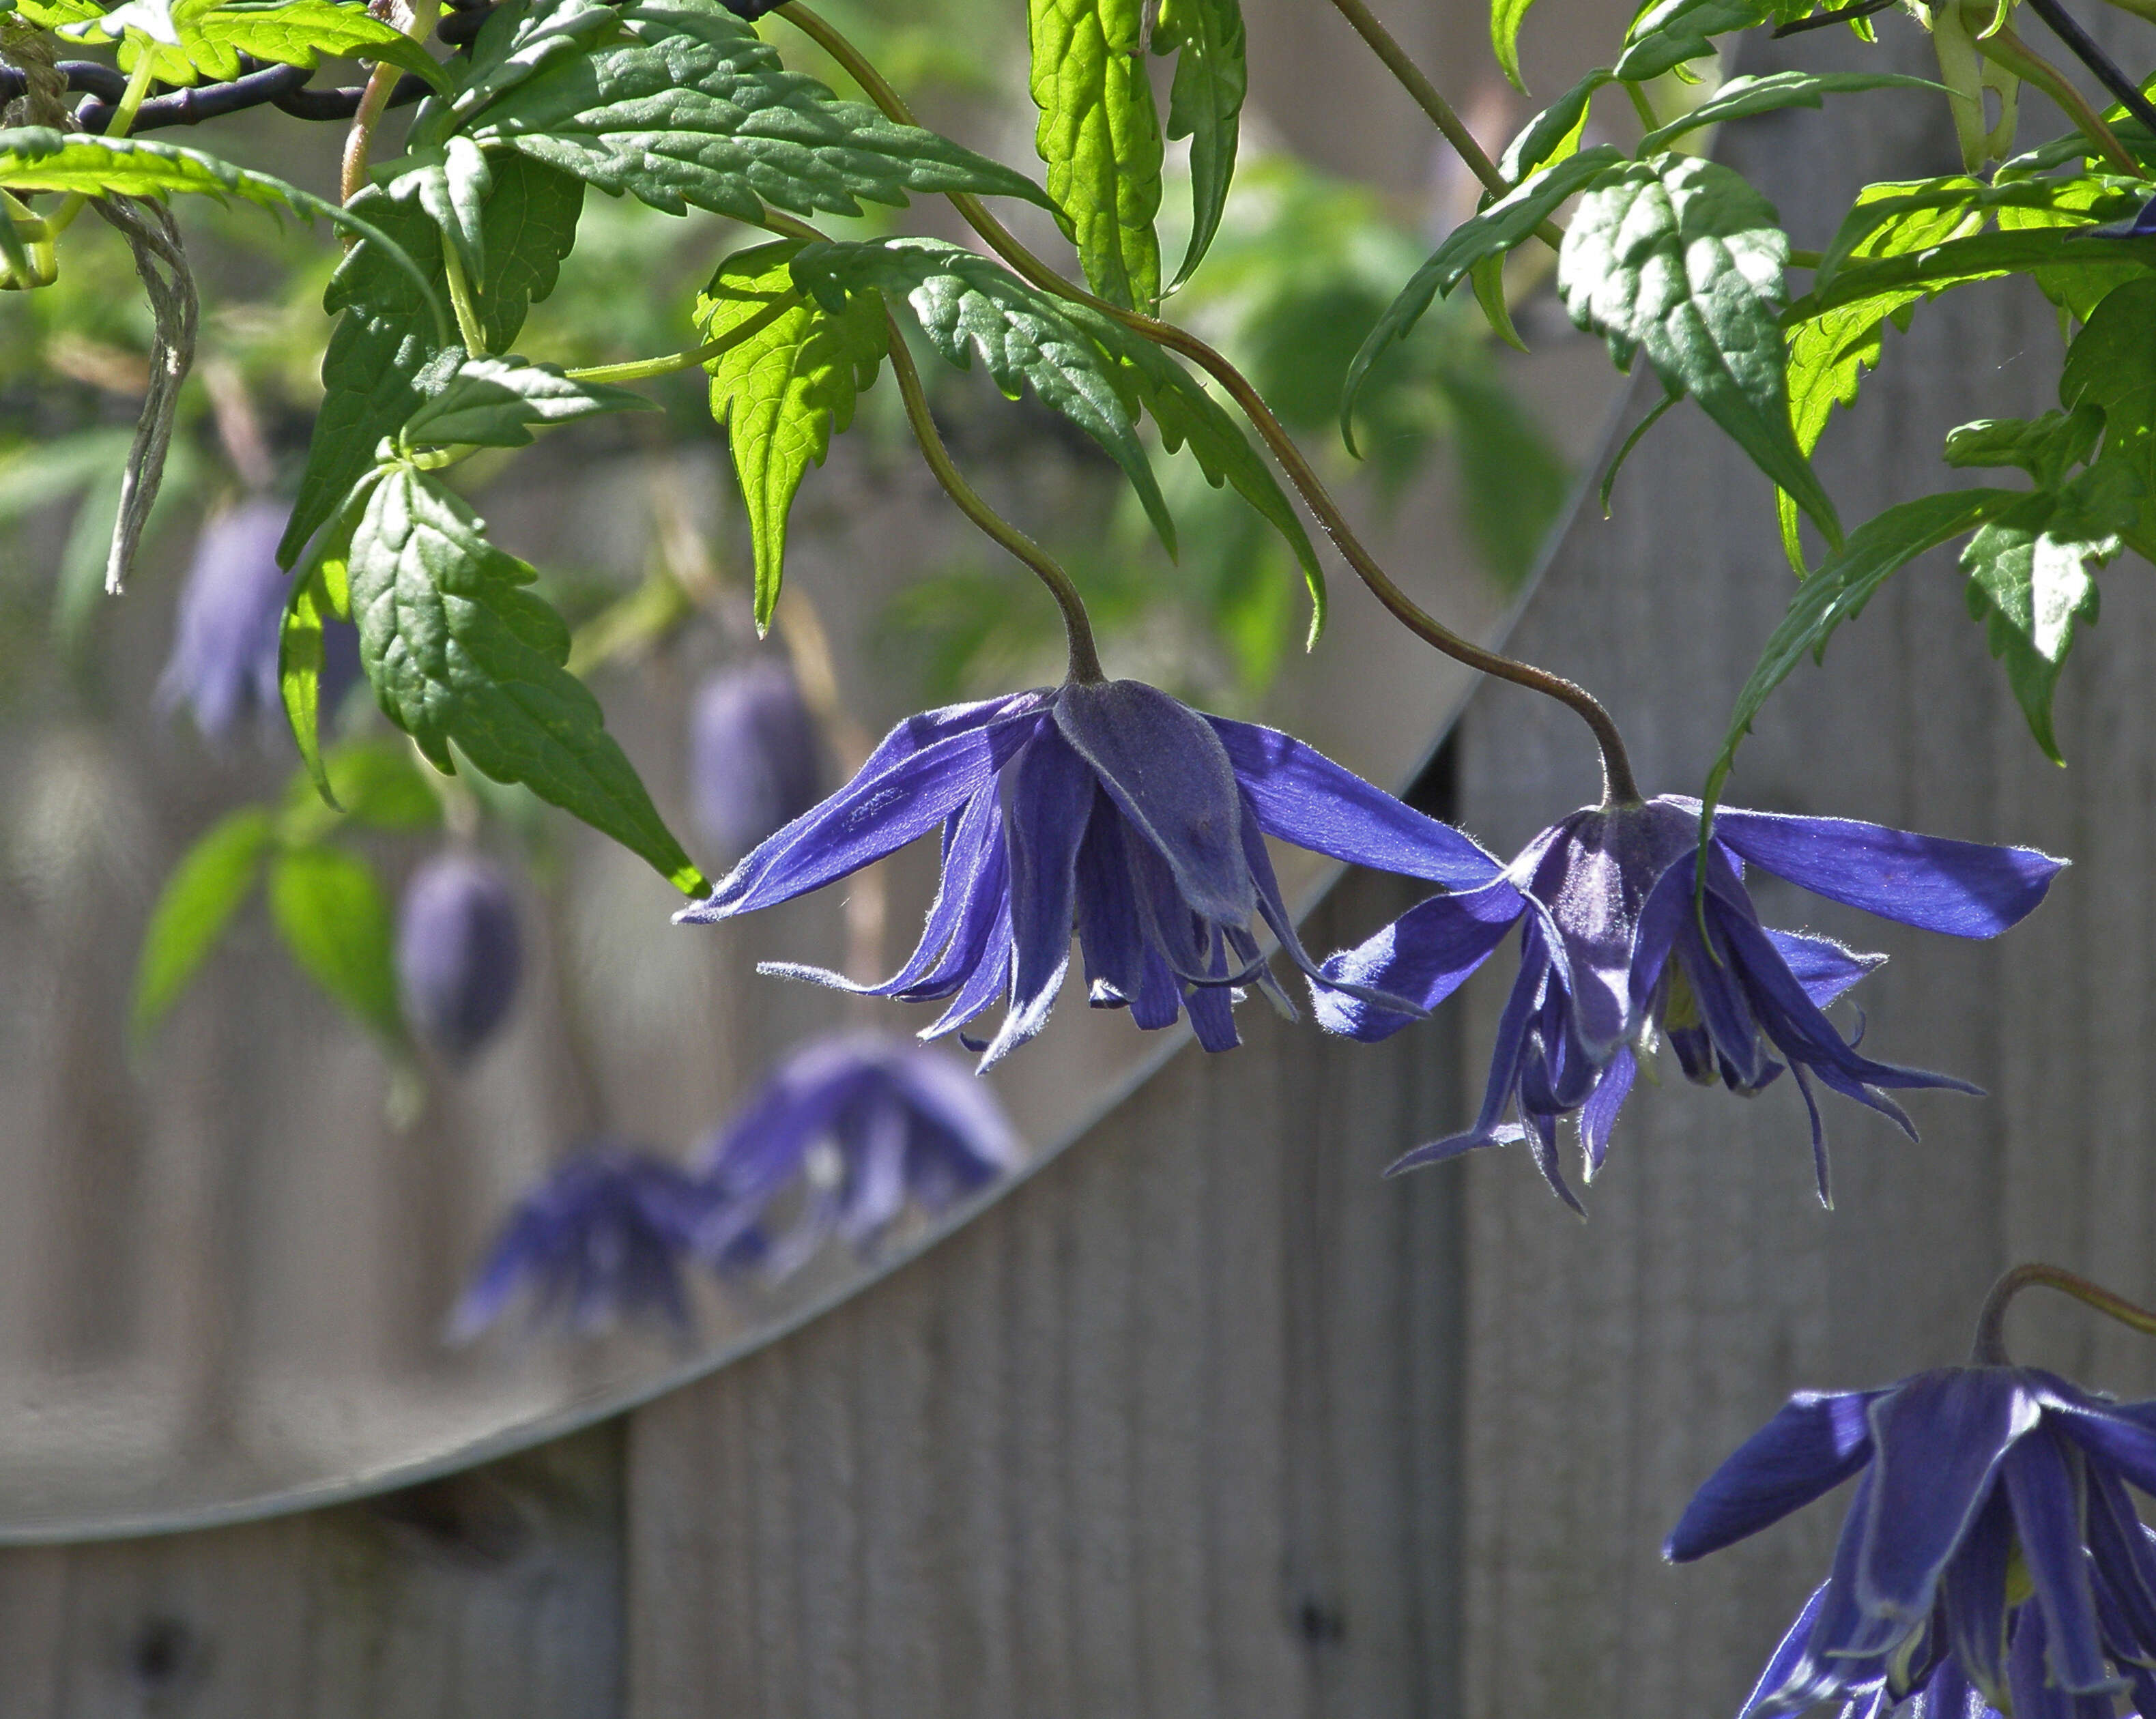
{"type": "Point", "coordinates": [1205, 105]}
{"type": "Point", "coordinates": [1505, 16]}
{"type": "Point", "coordinates": [1845, 583]}
{"type": "Point", "coordinates": [1741, 98]}
{"type": "Point", "coordinates": [459, 652]}
{"type": "Point", "coordinates": [1910, 210]}
{"type": "Point", "coordinates": [188, 37]}
{"type": "Point", "coordinates": [2030, 582]}
{"type": "Point", "coordinates": [33, 158]}
{"type": "Point", "coordinates": [1100, 136]}
{"type": "Point", "coordinates": [1682, 257]}
{"type": "Point", "coordinates": [678, 103]}
{"type": "Point", "coordinates": [378, 785]}
{"type": "Point", "coordinates": [372, 374]}
{"type": "Point", "coordinates": [321, 589]}
{"type": "Point", "coordinates": [2112, 365]}
{"type": "Point", "coordinates": [1509, 222]}
{"type": "Point", "coordinates": [451, 185]}
{"type": "Point", "coordinates": [330, 911]}
{"type": "Point", "coordinates": [2046, 448]}
{"type": "Point", "coordinates": [965, 303]}
{"type": "Point", "coordinates": [493, 402]}
{"type": "Point", "coordinates": [783, 392]}
{"type": "Point", "coordinates": [1983, 256]}
{"type": "Point", "coordinates": [1512, 482]}
{"type": "Point", "coordinates": [1667, 34]}
{"type": "Point", "coordinates": [205, 890]}
{"type": "Point", "coordinates": [1555, 132]}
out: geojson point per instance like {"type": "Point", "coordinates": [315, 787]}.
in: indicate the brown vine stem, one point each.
{"type": "Point", "coordinates": [1618, 783]}
{"type": "Point", "coordinates": [416, 21]}
{"type": "Point", "coordinates": [1989, 1349]}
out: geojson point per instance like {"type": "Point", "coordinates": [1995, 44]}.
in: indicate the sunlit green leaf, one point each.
{"type": "Point", "coordinates": [330, 909]}
{"type": "Point", "coordinates": [1741, 98]}
{"type": "Point", "coordinates": [1205, 105]}
{"type": "Point", "coordinates": [204, 891]}
{"type": "Point", "coordinates": [494, 403]}
{"type": "Point", "coordinates": [1100, 139]}
{"type": "Point", "coordinates": [1554, 133]}
{"type": "Point", "coordinates": [1505, 16]}
{"type": "Point", "coordinates": [189, 38]}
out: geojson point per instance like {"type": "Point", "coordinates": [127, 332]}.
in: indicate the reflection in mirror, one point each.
{"type": "Point", "coordinates": [348, 1144]}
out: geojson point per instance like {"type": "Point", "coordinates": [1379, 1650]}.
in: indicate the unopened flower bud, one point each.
{"type": "Point", "coordinates": [460, 952]}
{"type": "Point", "coordinates": [755, 759]}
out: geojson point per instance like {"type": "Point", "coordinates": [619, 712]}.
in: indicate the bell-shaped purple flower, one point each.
{"type": "Point", "coordinates": [848, 1133]}
{"type": "Point", "coordinates": [1991, 1555]}
{"type": "Point", "coordinates": [1108, 806]}
{"type": "Point", "coordinates": [602, 1239]}
{"type": "Point", "coordinates": [224, 664]}
{"type": "Point", "coordinates": [1618, 948]}
{"type": "Point", "coordinates": [756, 763]}
{"type": "Point", "coordinates": [460, 952]}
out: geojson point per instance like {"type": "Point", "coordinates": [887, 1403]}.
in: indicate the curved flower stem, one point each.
{"type": "Point", "coordinates": [2010, 51]}
{"type": "Point", "coordinates": [1618, 781]}
{"type": "Point", "coordinates": [1989, 1349]}
{"type": "Point", "coordinates": [2084, 48]}
{"type": "Point", "coordinates": [637, 369]}
{"type": "Point", "coordinates": [1078, 628]}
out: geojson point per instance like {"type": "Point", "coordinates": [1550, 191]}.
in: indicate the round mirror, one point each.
{"type": "Point", "coordinates": [275, 1075]}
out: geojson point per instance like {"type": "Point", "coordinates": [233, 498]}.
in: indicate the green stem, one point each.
{"type": "Point", "coordinates": [1806, 260]}
{"type": "Point", "coordinates": [1617, 780]}
{"type": "Point", "coordinates": [1989, 1349]}
{"type": "Point", "coordinates": [1085, 659]}
{"type": "Point", "coordinates": [2018, 56]}
{"type": "Point", "coordinates": [1645, 109]}
{"type": "Point", "coordinates": [460, 301]}
{"type": "Point", "coordinates": [638, 369]}
{"type": "Point", "coordinates": [123, 120]}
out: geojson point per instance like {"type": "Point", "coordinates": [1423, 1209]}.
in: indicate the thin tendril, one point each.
{"type": "Point", "coordinates": [1085, 659]}
{"type": "Point", "coordinates": [1989, 1348]}
{"type": "Point", "coordinates": [1618, 781]}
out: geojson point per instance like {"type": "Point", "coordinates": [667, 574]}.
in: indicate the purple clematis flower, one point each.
{"type": "Point", "coordinates": [755, 760]}
{"type": "Point", "coordinates": [460, 952]}
{"type": "Point", "coordinates": [1110, 807]}
{"type": "Point", "coordinates": [1991, 1554]}
{"type": "Point", "coordinates": [1615, 952]}
{"type": "Point", "coordinates": [224, 664]}
{"type": "Point", "coordinates": [602, 1239]}
{"type": "Point", "coordinates": [847, 1133]}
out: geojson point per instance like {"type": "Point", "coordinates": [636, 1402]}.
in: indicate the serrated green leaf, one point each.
{"type": "Point", "coordinates": [1925, 206]}
{"type": "Point", "coordinates": [1509, 222]}
{"type": "Point", "coordinates": [1505, 16]}
{"type": "Point", "coordinates": [518, 38]}
{"type": "Point", "coordinates": [191, 38]}
{"type": "Point", "coordinates": [1665, 35]}
{"type": "Point", "coordinates": [2046, 448]}
{"type": "Point", "coordinates": [783, 392]}
{"type": "Point", "coordinates": [2112, 366]}
{"type": "Point", "coordinates": [1555, 132]}
{"type": "Point", "coordinates": [204, 891]}
{"type": "Point", "coordinates": [1959, 262]}
{"type": "Point", "coordinates": [384, 344]}
{"type": "Point", "coordinates": [378, 785]}
{"type": "Point", "coordinates": [1742, 98]}
{"type": "Point", "coordinates": [965, 303]}
{"type": "Point", "coordinates": [330, 909]}
{"type": "Point", "coordinates": [1205, 105]}
{"type": "Point", "coordinates": [320, 590]}
{"type": "Point", "coordinates": [51, 14]}
{"type": "Point", "coordinates": [494, 403]}
{"type": "Point", "coordinates": [452, 185]}
{"type": "Point", "coordinates": [1682, 257]}
{"type": "Point", "coordinates": [683, 104]}
{"type": "Point", "coordinates": [1100, 139]}
{"type": "Point", "coordinates": [1845, 583]}
{"type": "Point", "coordinates": [459, 652]}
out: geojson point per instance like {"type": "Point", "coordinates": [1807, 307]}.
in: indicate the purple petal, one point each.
{"type": "Point", "coordinates": [1302, 796]}
{"type": "Point", "coordinates": [2121, 1435]}
{"type": "Point", "coordinates": [1598, 1117]}
{"type": "Point", "coordinates": [1973, 1590]}
{"type": "Point", "coordinates": [1939, 1437]}
{"type": "Point", "coordinates": [2044, 1485]}
{"type": "Point", "coordinates": [1820, 965]}
{"type": "Point", "coordinates": [1520, 1008]}
{"type": "Point", "coordinates": [1047, 793]}
{"type": "Point", "coordinates": [984, 984]}
{"type": "Point", "coordinates": [1783, 1663]}
{"type": "Point", "coordinates": [1423, 957]}
{"type": "Point", "coordinates": [1168, 774]}
{"type": "Point", "coordinates": [2125, 1563]}
{"type": "Point", "coordinates": [1964, 889]}
{"type": "Point", "coordinates": [1213, 1018]}
{"type": "Point", "coordinates": [1845, 1647]}
{"type": "Point", "coordinates": [1817, 1440]}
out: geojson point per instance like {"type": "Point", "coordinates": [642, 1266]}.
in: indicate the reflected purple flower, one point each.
{"type": "Point", "coordinates": [460, 952]}
{"type": "Point", "coordinates": [1617, 950]}
{"type": "Point", "coordinates": [755, 758]}
{"type": "Point", "coordinates": [1108, 806]}
{"type": "Point", "coordinates": [1991, 1556]}
{"type": "Point", "coordinates": [601, 1240]}
{"type": "Point", "coordinates": [223, 663]}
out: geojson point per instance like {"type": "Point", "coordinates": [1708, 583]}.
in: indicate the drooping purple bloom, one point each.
{"type": "Point", "coordinates": [602, 1239]}
{"type": "Point", "coordinates": [755, 759]}
{"type": "Point", "coordinates": [1615, 953]}
{"type": "Point", "coordinates": [1991, 1554]}
{"type": "Point", "coordinates": [1108, 806]}
{"type": "Point", "coordinates": [460, 952]}
{"type": "Point", "coordinates": [847, 1134]}
{"type": "Point", "coordinates": [224, 664]}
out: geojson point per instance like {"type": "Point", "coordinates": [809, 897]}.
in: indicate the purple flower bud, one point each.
{"type": "Point", "coordinates": [458, 953]}
{"type": "Point", "coordinates": [224, 664]}
{"type": "Point", "coordinates": [755, 760]}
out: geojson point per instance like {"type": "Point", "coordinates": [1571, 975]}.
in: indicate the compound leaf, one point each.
{"type": "Point", "coordinates": [1100, 138]}
{"type": "Point", "coordinates": [1205, 105]}
{"type": "Point", "coordinates": [188, 38]}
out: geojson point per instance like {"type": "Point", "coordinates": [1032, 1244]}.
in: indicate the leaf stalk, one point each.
{"type": "Point", "coordinates": [638, 369]}
{"type": "Point", "coordinates": [469, 325]}
{"type": "Point", "coordinates": [1989, 1348]}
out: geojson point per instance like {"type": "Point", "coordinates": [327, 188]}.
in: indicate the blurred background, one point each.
{"type": "Point", "coordinates": [238, 1201]}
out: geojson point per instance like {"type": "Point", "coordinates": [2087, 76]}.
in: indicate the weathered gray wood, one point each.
{"type": "Point", "coordinates": [1613, 1366]}
{"type": "Point", "coordinates": [497, 1592]}
{"type": "Point", "coordinates": [1161, 1433]}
